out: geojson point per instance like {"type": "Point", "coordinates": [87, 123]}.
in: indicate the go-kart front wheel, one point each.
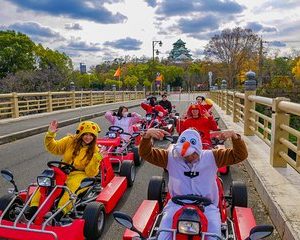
{"type": "Point", "coordinates": [13, 209]}
{"type": "Point", "coordinates": [239, 195]}
{"type": "Point", "coordinates": [94, 217]}
{"type": "Point", "coordinates": [136, 157]}
{"type": "Point", "coordinates": [156, 189]}
{"type": "Point", "coordinates": [128, 170]}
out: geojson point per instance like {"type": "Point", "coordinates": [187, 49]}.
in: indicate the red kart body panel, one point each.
{"type": "Point", "coordinates": [117, 158]}
{"type": "Point", "coordinates": [143, 219]}
{"type": "Point", "coordinates": [111, 194]}
{"type": "Point", "coordinates": [109, 142]}
{"type": "Point", "coordinates": [73, 231]}
{"type": "Point", "coordinates": [203, 220]}
{"type": "Point", "coordinates": [107, 172]}
{"type": "Point", "coordinates": [222, 202]}
{"type": "Point", "coordinates": [244, 221]}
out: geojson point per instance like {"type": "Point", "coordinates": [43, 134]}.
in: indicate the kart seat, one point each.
{"type": "Point", "coordinates": [109, 142]}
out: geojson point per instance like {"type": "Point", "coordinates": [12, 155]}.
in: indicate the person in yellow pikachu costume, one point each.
{"type": "Point", "coordinates": [79, 150]}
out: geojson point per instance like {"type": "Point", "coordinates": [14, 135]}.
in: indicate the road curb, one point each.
{"type": "Point", "coordinates": [34, 131]}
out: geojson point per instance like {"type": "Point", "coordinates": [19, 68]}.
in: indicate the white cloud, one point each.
{"type": "Point", "coordinates": [144, 21]}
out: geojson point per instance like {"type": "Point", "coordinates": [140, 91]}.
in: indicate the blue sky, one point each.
{"type": "Point", "coordinates": [92, 31]}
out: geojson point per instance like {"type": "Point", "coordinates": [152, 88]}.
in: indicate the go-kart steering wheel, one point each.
{"type": "Point", "coordinates": [196, 200]}
{"type": "Point", "coordinates": [65, 167]}
{"type": "Point", "coordinates": [116, 129]}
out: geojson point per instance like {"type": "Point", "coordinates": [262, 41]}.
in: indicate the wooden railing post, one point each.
{"type": "Point", "coordinates": [123, 96]}
{"type": "Point", "coordinates": [91, 98]}
{"type": "Point", "coordinates": [104, 96]}
{"type": "Point", "coordinates": [73, 95]}
{"type": "Point", "coordinates": [250, 89]}
{"type": "Point", "coordinates": [115, 96]}
{"type": "Point", "coordinates": [278, 117]}
{"type": "Point", "coordinates": [235, 100]}
{"type": "Point", "coordinates": [49, 102]}
{"type": "Point", "coordinates": [15, 105]}
{"type": "Point", "coordinates": [248, 105]}
{"type": "Point", "coordinates": [223, 103]}
{"type": "Point", "coordinates": [227, 102]}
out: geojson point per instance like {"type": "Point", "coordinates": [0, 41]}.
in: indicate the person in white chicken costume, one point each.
{"type": "Point", "coordinates": [192, 170]}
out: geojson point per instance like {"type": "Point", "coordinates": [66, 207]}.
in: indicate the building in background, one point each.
{"type": "Point", "coordinates": [82, 68]}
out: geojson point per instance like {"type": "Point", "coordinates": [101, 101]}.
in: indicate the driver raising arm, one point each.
{"type": "Point", "coordinates": [79, 150]}
{"type": "Point", "coordinates": [192, 170]}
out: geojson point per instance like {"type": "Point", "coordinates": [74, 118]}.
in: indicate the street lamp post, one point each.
{"type": "Point", "coordinates": [154, 43]}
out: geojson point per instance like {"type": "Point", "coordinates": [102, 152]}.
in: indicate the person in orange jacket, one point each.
{"type": "Point", "coordinates": [79, 150]}
{"type": "Point", "coordinates": [201, 120]}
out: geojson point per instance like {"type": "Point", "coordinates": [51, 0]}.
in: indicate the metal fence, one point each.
{"type": "Point", "coordinates": [272, 126]}
{"type": "Point", "coordinates": [14, 105]}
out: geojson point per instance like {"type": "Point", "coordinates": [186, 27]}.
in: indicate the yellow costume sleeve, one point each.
{"type": "Point", "coordinates": [57, 147]}
{"type": "Point", "coordinates": [209, 101]}
{"type": "Point", "coordinates": [92, 169]}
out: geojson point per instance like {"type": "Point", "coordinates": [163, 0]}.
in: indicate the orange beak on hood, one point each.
{"type": "Point", "coordinates": [185, 147]}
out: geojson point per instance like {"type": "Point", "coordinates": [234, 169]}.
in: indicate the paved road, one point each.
{"type": "Point", "coordinates": [27, 158]}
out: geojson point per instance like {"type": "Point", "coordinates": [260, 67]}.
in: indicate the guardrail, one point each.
{"type": "Point", "coordinates": [273, 126]}
{"type": "Point", "coordinates": [14, 105]}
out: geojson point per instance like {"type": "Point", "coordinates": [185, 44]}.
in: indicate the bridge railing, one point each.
{"type": "Point", "coordinates": [14, 105]}
{"type": "Point", "coordinates": [272, 125]}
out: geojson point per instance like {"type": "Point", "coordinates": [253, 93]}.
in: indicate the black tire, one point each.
{"type": "Point", "coordinates": [128, 170]}
{"type": "Point", "coordinates": [136, 157]}
{"type": "Point", "coordinates": [175, 139]}
{"type": "Point", "coordinates": [4, 201]}
{"type": "Point", "coordinates": [156, 189]}
{"type": "Point", "coordinates": [227, 171]}
{"type": "Point", "coordinates": [239, 195]}
{"type": "Point", "coordinates": [94, 217]}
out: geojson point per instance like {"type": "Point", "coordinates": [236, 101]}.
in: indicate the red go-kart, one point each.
{"type": "Point", "coordinates": [119, 149]}
{"type": "Point", "coordinates": [189, 222]}
{"type": "Point", "coordinates": [151, 120]}
{"type": "Point", "coordinates": [86, 220]}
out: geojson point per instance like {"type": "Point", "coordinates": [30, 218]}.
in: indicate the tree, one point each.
{"type": "Point", "coordinates": [49, 59]}
{"type": "Point", "coordinates": [233, 47]}
{"type": "Point", "coordinates": [296, 69]}
{"type": "Point", "coordinates": [16, 52]}
{"type": "Point", "coordinates": [147, 83]}
{"type": "Point", "coordinates": [110, 82]}
{"type": "Point", "coordinates": [131, 81]}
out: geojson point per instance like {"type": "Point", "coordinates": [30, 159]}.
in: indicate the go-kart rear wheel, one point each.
{"type": "Point", "coordinates": [239, 195]}
{"type": "Point", "coordinates": [94, 217]}
{"type": "Point", "coordinates": [11, 213]}
{"type": "Point", "coordinates": [128, 170]}
{"type": "Point", "coordinates": [156, 189]}
{"type": "Point", "coordinates": [136, 157]}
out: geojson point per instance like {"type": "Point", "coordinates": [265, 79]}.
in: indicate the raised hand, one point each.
{"type": "Point", "coordinates": [225, 134]}
{"type": "Point", "coordinates": [155, 133]}
{"type": "Point", "coordinates": [53, 127]}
